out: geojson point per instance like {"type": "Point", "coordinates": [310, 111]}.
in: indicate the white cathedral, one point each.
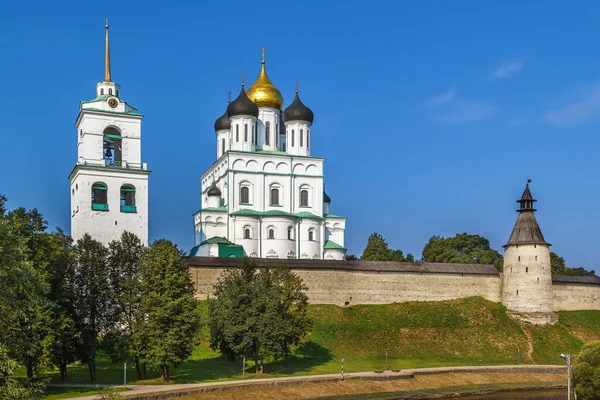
{"type": "Point", "coordinates": [109, 183]}
{"type": "Point", "coordinates": [264, 195]}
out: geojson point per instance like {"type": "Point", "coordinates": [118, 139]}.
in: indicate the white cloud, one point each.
{"type": "Point", "coordinates": [442, 98]}
{"type": "Point", "coordinates": [467, 111]}
{"type": "Point", "coordinates": [508, 69]}
{"type": "Point", "coordinates": [584, 108]}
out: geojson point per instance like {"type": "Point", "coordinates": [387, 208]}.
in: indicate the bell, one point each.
{"type": "Point", "coordinates": [108, 153]}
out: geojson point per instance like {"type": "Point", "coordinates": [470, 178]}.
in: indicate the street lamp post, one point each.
{"type": "Point", "coordinates": [568, 358]}
{"type": "Point", "coordinates": [342, 369]}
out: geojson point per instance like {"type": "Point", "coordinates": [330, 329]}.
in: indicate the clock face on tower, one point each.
{"type": "Point", "coordinates": [113, 103]}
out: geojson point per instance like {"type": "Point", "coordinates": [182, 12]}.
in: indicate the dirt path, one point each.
{"type": "Point", "coordinates": [529, 343]}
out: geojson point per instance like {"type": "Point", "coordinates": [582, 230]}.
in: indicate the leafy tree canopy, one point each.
{"type": "Point", "coordinates": [462, 248]}
{"type": "Point", "coordinates": [586, 371]}
{"type": "Point", "coordinates": [378, 250]}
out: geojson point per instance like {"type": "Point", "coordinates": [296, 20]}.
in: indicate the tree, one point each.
{"type": "Point", "coordinates": [24, 313]}
{"type": "Point", "coordinates": [258, 313]}
{"type": "Point", "coordinates": [171, 313]}
{"type": "Point", "coordinates": [560, 268]}
{"type": "Point", "coordinates": [124, 257]}
{"type": "Point", "coordinates": [586, 371]}
{"type": "Point", "coordinates": [351, 257]}
{"type": "Point", "coordinates": [12, 389]}
{"type": "Point", "coordinates": [61, 296]}
{"type": "Point", "coordinates": [463, 248]}
{"type": "Point", "coordinates": [94, 301]}
{"type": "Point", "coordinates": [378, 250]}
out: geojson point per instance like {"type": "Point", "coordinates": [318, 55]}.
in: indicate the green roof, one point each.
{"type": "Point", "coordinates": [104, 98]}
{"type": "Point", "coordinates": [333, 216]}
{"type": "Point", "coordinates": [216, 240]}
{"type": "Point", "coordinates": [112, 112]}
{"type": "Point", "coordinates": [333, 245]}
{"type": "Point", "coordinates": [274, 213]}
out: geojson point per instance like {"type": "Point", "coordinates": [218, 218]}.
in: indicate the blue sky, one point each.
{"type": "Point", "coordinates": [431, 115]}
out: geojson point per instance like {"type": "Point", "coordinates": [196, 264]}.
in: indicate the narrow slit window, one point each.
{"type": "Point", "coordinates": [237, 133]}
{"type": "Point", "coordinates": [293, 138]}
{"type": "Point", "coordinates": [275, 197]}
{"type": "Point", "coordinates": [301, 137]}
{"type": "Point", "coordinates": [246, 133]}
{"type": "Point", "coordinates": [311, 235]}
{"type": "Point", "coordinates": [247, 233]}
{"type": "Point", "coordinates": [271, 233]}
{"type": "Point", "coordinates": [304, 198]}
{"type": "Point", "coordinates": [267, 133]}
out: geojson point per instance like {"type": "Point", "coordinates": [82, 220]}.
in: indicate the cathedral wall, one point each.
{"type": "Point", "coordinates": [569, 297]}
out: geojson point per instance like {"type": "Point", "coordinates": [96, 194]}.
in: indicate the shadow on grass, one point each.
{"type": "Point", "coordinates": [308, 356]}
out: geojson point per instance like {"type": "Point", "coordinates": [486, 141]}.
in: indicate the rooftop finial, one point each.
{"type": "Point", "coordinates": [107, 77]}
{"type": "Point", "coordinates": [297, 83]}
{"type": "Point", "coordinates": [263, 51]}
{"type": "Point", "coordinates": [243, 79]}
{"type": "Point", "coordinates": [229, 96]}
{"type": "Point", "coordinates": [528, 181]}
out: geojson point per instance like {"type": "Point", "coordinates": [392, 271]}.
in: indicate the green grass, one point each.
{"type": "Point", "coordinates": [470, 331]}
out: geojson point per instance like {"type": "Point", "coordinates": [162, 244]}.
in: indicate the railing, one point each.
{"type": "Point", "coordinates": [116, 164]}
{"type": "Point", "coordinates": [128, 209]}
{"type": "Point", "coordinates": [99, 207]}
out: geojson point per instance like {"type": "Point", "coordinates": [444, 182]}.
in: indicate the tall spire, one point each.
{"type": "Point", "coordinates": [107, 77]}
{"type": "Point", "coordinates": [526, 229]}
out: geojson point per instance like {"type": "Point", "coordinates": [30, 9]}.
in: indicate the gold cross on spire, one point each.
{"type": "Point", "coordinates": [107, 77]}
{"type": "Point", "coordinates": [263, 51]}
{"type": "Point", "coordinates": [229, 96]}
{"type": "Point", "coordinates": [243, 78]}
{"type": "Point", "coordinates": [297, 83]}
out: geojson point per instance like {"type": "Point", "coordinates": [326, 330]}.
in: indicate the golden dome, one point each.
{"type": "Point", "coordinates": [263, 93]}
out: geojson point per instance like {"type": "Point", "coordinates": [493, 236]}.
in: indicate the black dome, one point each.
{"type": "Point", "coordinates": [326, 199]}
{"type": "Point", "coordinates": [298, 112]}
{"type": "Point", "coordinates": [214, 191]}
{"type": "Point", "coordinates": [222, 123]}
{"type": "Point", "coordinates": [242, 106]}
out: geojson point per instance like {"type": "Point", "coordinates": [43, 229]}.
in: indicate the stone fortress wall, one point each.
{"type": "Point", "coordinates": [347, 283]}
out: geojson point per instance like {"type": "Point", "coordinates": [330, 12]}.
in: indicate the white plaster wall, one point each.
{"type": "Point", "coordinates": [271, 115]}
{"type": "Point", "coordinates": [296, 146]}
{"type": "Point", "coordinates": [527, 279]}
{"type": "Point", "coordinates": [239, 139]}
{"type": "Point", "coordinates": [312, 249]}
{"type": "Point", "coordinates": [334, 254]}
{"type": "Point", "coordinates": [222, 134]}
{"type": "Point", "coordinates": [335, 229]}
{"type": "Point", "coordinates": [576, 296]}
{"type": "Point", "coordinates": [280, 246]}
{"type": "Point", "coordinates": [106, 226]}
{"type": "Point", "coordinates": [211, 224]}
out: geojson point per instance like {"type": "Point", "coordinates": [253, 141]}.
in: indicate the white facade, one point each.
{"type": "Point", "coordinates": [271, 193]}
{"type": "Point", "coordinates": [109, 183]}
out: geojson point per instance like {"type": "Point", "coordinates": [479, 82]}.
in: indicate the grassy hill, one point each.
{"type": "Point", "coordinates": [470, 331]}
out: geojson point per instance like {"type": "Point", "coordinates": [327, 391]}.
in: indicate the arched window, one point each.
{"type": "Point", "coordinates": [246, 232]}
{"type": "Point", "coordinates": [293, 138]}
{"type": "Point", "coordinates": [128, 199]}
{"type": "Point", "coordinates": [99, 197]}
{"type": "Point", "coordinates": [237, 133]}
{"type": "Point", "coordinates": [245, 195]}
{"type": "Point", "coordinates": [101, 92]}
{"type": "Point", "coordinates": [246, 133]}
{"type": "Point", "coordinates": [222, 146]}
{"type": "Point", "coordinates": [275, 197]}
{"type": "Point", "coordinates": [301, 137]}
{"type": "Point", "coordinates": [290, 233]}
{"type": "Point", "coordinates": [267, 133]}
{"type": "Point", "coordinates": [304, 198]}
{"type": "Point", "coordinates": [311, 235]}
{"type": "Point", "coordinates": [271, 233]}
{"type": "Point", "coordinates": [112, 147]}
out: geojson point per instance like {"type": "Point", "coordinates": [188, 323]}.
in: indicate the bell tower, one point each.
{"type": "Point", "coordinates": [109, 183]}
